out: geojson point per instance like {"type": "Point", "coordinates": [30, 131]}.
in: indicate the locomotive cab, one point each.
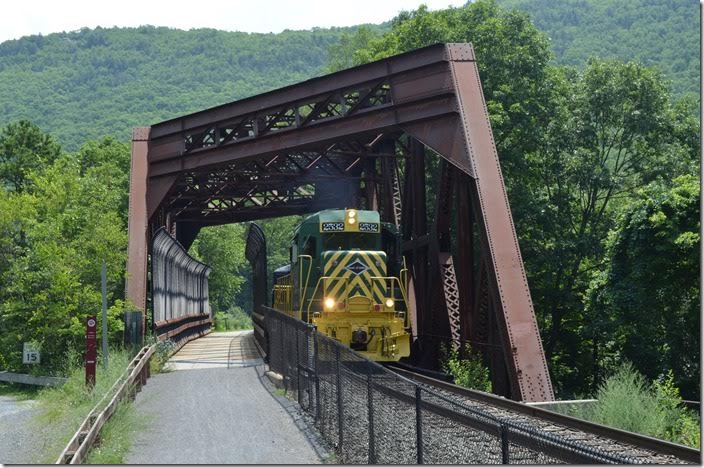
{"type": "Point", "coordinates": [347, 279]}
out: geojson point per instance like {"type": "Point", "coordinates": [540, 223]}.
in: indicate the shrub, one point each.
{"type": "Point", "coordinates": [468, 371]}
{"type": "Point", "coordinates": [681, 424]}
{"type": "Point", "coordinates": [161, 355]}
{"type": "Point", "coordinates": [234, 319]}
{"type": "Point", "coordinates": [626, 400]}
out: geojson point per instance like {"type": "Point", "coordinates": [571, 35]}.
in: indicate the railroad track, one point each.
{"type": "Point", "coordinates": [642, 448]}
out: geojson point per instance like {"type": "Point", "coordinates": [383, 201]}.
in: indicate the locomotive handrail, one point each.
{"type": "Point", "coordinates": [283, 289]}
{"type": "Point", "coordinates": [403, 275]}
{"type": "Point", "coordinates": [400, 288]}
{"type": "Point", "coordinates": [317, 285]}
{"type": "Point", "coordinates": [403, 284]}
{"type": "Point", "coordinates": [302, 291]}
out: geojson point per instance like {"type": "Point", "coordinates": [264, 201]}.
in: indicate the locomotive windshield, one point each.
{"type": "Point", "coordinates": [350, 241]}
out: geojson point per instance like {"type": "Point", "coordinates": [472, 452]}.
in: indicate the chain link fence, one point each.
{"type": "Point", "coordinates": [369, 414]}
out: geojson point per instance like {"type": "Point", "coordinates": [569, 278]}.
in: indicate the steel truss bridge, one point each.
{"type": "Point", "coordinates": [364, 137]}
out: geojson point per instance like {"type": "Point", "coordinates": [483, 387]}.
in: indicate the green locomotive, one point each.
{"type": "Point", "coordinates": [347, 277]}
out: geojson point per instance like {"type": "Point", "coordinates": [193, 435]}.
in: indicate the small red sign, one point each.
{"type": "Point", "coordinates": [91, 350]}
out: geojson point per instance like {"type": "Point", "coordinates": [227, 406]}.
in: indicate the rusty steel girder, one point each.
{"type": "Point", "coordinates": [362, 137]}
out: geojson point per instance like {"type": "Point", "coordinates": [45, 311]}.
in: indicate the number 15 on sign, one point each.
{"type": "Point", "coordinates": [30, 354]}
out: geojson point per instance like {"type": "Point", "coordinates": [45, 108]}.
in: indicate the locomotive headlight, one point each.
{"type": "Point", "coordinates": [389, 303]}
{"type": "Point", "coordinates": [351, 216]}
{"type": "Point", "coordinates": [351, 213]}
{"type": "Point", "coordinates": [329, 303]}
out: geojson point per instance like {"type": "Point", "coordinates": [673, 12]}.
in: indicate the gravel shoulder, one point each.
{"type": "Point", "coordinates": [18, 435]}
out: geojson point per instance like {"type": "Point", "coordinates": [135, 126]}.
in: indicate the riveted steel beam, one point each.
{"type": "Point", "coordinates": [137, 247]}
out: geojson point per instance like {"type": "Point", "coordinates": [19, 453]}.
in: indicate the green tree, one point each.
{"type": "Point", "coordinates": [612, 131]}
{"type": "Point", "coordinates": [466, 367]}
{"type": "Point", "coordinates": [606, 140]}
{"type": "Point", "coordinates": [278, 233]}
{"type": "Point", "coordinates": [24, 148]}
{"type": "Point", "coordinates": [86, 84]}
{"type": "Point", "coordinates": [58, 236]}
{"type": "Point", "coordinates": [222, 247]}
{"type": "Point", "coordinates": [644, 305]}
{"type": "Point", "coordinates": [345, 53]}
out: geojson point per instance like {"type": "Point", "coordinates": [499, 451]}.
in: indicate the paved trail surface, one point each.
{"type": "Point", "coordinates": [218, 407]}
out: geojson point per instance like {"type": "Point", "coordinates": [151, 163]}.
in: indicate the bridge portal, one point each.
{"type": "Point", "coordinates": [364, 137]}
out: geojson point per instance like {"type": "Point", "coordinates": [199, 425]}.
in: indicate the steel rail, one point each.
{"type": "Point", "coordinates": [642, 441]}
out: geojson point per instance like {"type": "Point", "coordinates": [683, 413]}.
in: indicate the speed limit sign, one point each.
{"type": "Point", "coordinates": [30, 354]}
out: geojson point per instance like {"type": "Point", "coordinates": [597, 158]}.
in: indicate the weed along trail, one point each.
{"type": "Point", "coordinates": [214, 405]}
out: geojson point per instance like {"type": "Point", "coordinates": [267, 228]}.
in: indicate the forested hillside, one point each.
{"type": "Point", "coordinates": [90, 83]}
{"type": "Point", "coordinates": [661, 33]}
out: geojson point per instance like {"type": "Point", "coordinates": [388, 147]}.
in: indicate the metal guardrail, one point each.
{"type": "Point", "coordinates": [131, 381]}
{"type": "Point", "coordinates": [27, 379]}
{"type": "Point", "coordinates": [372, 415]}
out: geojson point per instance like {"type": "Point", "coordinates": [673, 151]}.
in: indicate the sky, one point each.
{"type": "Point", "coordinates": [27, 17]}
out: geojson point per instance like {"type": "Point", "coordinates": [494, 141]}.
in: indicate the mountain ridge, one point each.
{"type": "Point", "coordinates": [85, 84]}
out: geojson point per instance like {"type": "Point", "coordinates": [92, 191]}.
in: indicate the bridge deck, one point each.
{"type": "Point", "coordinates": [217, 350]}
{"type": "Point", "coordinates": [218, 407]}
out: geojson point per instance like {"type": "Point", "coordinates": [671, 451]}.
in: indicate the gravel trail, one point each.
{"type": "Point", "coordinates": [18, 435]}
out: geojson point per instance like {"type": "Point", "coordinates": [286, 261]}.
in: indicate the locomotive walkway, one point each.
{"type": "Point", "coordinates": [217, 407]}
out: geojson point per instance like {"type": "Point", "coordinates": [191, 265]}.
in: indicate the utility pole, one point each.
{"type": "Point", "coordinates": [104, 281]}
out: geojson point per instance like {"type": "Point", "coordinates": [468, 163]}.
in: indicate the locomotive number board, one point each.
{"type": "Point", "coordinates": [368, 227]}
{"type": "Point", "coordinates": [339, 226]}
{"type": "Point", "coordinates": [334, 226]}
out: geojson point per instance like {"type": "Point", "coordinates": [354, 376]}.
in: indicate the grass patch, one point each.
{"type": "Point", "coordinates": [627, 401]}
{"type": "Point", "coordinates": [63, 409]}
{"type": "Point", "coordinates": [116, 436]}
{"type": "Point", "coordinates": [234, 319]}
{"type": "Point", "coordinates": [19, 391]}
